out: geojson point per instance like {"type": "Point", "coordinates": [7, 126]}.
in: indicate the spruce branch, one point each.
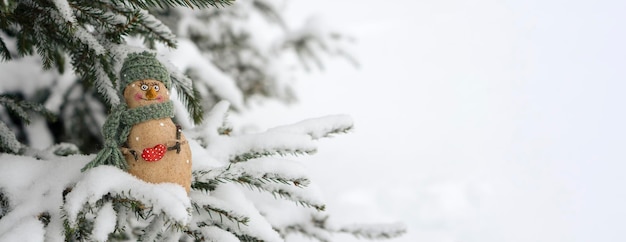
{"type": "Point", "coordinates": [270, 12]}
{"type": "Point", "coordinates": [281, 151]}
{"type": "Point", "coordinates": [4, 204]}
{"type": "Point", "coordinates": [21, 108]}
{"type": "Point", "coordinates": [319, 229]}
{"type": "Point", "coordinates": [188, 96]}
{"type": "Point", "coordinates": [5, 54]}
{"type": "Point", "coordinates": [308, 231]}
{"type": "Point", "coordinates": [8, 141]}
{"type": "Point", "coordinates": [145, 4]}
{"type": "Point", "coordinates": [81, 228]}
{"type": "Point", "coordinates": [375, 231]}
{"type": "Point", "coordinates": [262, 184]}
{"type": "Point", "coordinates": [213, 210]}
{"type": "Point", "coordinates": [318, 128]}
{"type": "Point", "coordinates": [153, 29]}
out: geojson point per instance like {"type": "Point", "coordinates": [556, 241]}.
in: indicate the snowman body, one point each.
{"type": "Point", "coordinates": [156, 150]}
{"type": "Point", "coordinates": [152, 138]}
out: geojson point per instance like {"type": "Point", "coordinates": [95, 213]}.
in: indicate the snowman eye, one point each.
{"type": "Point", "coordinates": [156, 88]}
{"type": "Point", "coordinates": [144, 87]}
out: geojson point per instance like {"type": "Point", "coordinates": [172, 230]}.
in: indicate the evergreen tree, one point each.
{"type": "Point", "coordinates": [60, 76]}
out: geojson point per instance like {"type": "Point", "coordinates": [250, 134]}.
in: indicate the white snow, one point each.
{"type": "Point", "coordinates": [16, 78]}
{"type": "Point", "coordinates": [8, 138]}
{"type": "Point", "coordinates": [34, 187]}
{"type": "Point", "coordinates": [168, 198]}
{"type": "Point", "coordinates": [38, 134]}
{"type": "Point", "coordinates": [257, 226]}
{"type": "Point", "coordinates": [63, 6]}
{"type": "Point", "coordinates": [215, 118]}
{"type": "Point", "coordinates": [227, 148]}
{"type": "Point", "coordinates": [155, 25]}
{"type": "Point", "coordinates": [318, 127]}
{"type": "Point", "coordinates": [104, 223]}
{"type": "Point", "coordinates": [105, 86]}
{"type": "Point", "coordinates": [90, 40]}
{"type": "Point", "coordinates": [24, 230]}
{"type": "Point", "coordinates": [215, 234]}
{"type": "Point", "coordinates": [188, 57]}
{"type": "Point", "coordinates": [58, 90]}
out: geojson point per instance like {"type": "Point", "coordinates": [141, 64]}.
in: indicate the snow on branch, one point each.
{"type": "Point", "coordinates": [216, 209]}
{"type": "Point", "coordinates": [375, 231]}
{"type": "Point", "coordinates": [8, 141]}
{"type": "Point", "coordinates": [216, 118]}
{"type": "Point", "coordinates": [104, 223]}
{"type": "Point", "coordinates": [214, 124]}
{"type": "Point", "coordinates": [257, 171]}
{"type": "Point", "coordinates": [185, 3]}
{"type": "Point", "coordinates": [316, 38]}
{"type": "Point", "coordinates": [88, 39]}
{"type": "Point", "coordinates": [318, 127]}
{"type": "Point", "coordinates": [104, 181]}
{"type": "Point", "coordinates": [157, 28]}
{"type": "Point", "coordinates": [64, 9]}
{"type": "Point", "coordinates": [246, 147]}
{"type": "Point", "coordinates": [21, 108]}
{"type": "Point", "coordinates": [189, 58]}
{"type": "Point", "coordinates": [273, 170]}
{"type": "Point", "coordinates": [281, 178]}
{"type": "Point", "coordinates": [104, 85]}
{"type": "Point", "coordinates": [257, 227]}
{"type": "Point", "coordinates": [186, 92]}
{"type": "Point", "coordinates": [309, 230]}
{"type": "Point", "coordinates": [215, 234]}
{"type": "Point", "coordinates": [33, 190]}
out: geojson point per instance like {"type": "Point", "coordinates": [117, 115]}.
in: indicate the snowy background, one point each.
{"type": "Point", "coordinates": [475, 120]}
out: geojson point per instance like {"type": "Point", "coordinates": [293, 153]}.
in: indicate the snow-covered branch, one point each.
{"type": "Point", "coordinates": [318, 127]}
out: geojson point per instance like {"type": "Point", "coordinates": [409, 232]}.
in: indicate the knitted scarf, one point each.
{"type": "Point", "coordinates": [116, 129]}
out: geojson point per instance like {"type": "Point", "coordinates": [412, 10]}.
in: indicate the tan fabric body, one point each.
{"type": "Point", "coordinates": [173, 167]}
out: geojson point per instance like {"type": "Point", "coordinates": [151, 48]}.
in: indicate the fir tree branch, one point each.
{"type": "Point", "coordinates": [318, 128]}
{"type": "Point", "coordinates": [4, 51]}
{"type": "Point", "coordinates": [145, 4]}
{"type": "Point", "coordinates": [375, 231]}
{"type": "Point", "coordinates": [8, 141]}
{"type": "Point", "coordinates": [152, 231]}
{"type": "Point", "coordinates": [212, 233]}
{"type": "Point", "coordinates": [269, 11]}
{"type": "Point", "coordinates": [21, 108]}
{"type": "Point", "coordinates": [261, 184]}
{"type": "Point", "coordinates": [320, 230]}
{"type": "Point", "coordinates": [81, 228]}
{"type": "Point", "coordinates": [282, 151]}
{"type": "Point", "coordinates": [154, 29]}
{"type": "Point", "coordinates": [213, 210]}
{"type": "Point", "coordinates": [188, 96]}
{"type": "Point", "coordinates": [310, 229]}
{"type": "Point", "coordinates": [4, 204]}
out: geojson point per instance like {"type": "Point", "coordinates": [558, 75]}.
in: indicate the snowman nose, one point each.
{"type": "Point", "coordinates": [151, 94]}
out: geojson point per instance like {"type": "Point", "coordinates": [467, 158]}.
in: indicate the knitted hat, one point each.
{"type": "Point", "coordinates": [142, 66]}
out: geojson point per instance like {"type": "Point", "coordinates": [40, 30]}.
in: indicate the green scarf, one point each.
{"type": "Point", "coordinates": [117, 128]}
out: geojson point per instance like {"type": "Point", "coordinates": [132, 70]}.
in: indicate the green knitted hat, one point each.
{"type": "Point", "coordinates": [142, 66]}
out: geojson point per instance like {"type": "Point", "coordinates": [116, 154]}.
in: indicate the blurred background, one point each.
{"type": "Point", "coordinates": [474, 120]}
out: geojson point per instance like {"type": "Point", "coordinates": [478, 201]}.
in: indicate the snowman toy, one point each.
{"type": "Point", "coordinates": [140, 136]}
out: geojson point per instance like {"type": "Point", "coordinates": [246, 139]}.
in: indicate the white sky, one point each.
{"type": "Point", "coordinates": [475, 120]}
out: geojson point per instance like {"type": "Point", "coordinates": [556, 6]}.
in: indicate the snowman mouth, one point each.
{"type": "Point", "coordinates": [139, 96]}
{"type": "Point", "coordinates": [152, 99]}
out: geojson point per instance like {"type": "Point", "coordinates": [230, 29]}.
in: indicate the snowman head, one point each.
{"type": "Point", "coordinates": [145, 92]}
{"type": "Point", "coordinates": [144, 80]}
